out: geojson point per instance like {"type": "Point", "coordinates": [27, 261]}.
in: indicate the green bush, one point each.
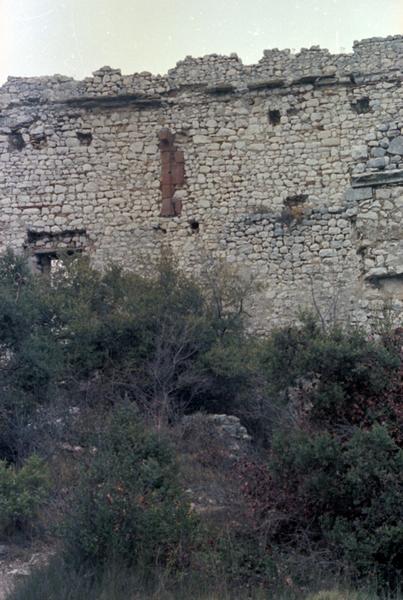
{"type": "Point", "coordinates": [340, 495]}
{"type": "Point", "coordinates": [116, 335]}
{"type": "Point", "coordinates": [129, 507]}
{"type": "Point", "coordinates": [22, 493]}
{"type": "Point", "coordinates": [341, 376]}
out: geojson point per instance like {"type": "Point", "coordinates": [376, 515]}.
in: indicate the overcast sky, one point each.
{"type": "Point", "coordinates": [75, 37]}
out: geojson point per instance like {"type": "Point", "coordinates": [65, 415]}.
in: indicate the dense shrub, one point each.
{"type": "Point", "coordinates": [332, 483]}
{"type": "Point", "coordinates": [339, 377]}
{"type": "Point", "coordinates": [129, 507]}
{"type": "Point", "coordinates": [23, 491]}
{"type": "Point", "coordinates": [325, 403]}
{"type": "Point", "coordinates": [339, 496]}
{"type": "Point", "coordinates": [152, 340]}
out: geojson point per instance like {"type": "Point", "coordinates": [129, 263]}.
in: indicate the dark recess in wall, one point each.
{"type": "Point", "coordinates": [361, 105]}
{"type": "Point", "coordinates": [296, 199]}
{"type": "Point", "coordinates": [84, 137]}
{"type": "Point", "coordinates": [16, 141]}
{"type": "Point", "coordinates": [274, 117]}
{"type": "Point", "coordinates": [294, 209]}
{"type": "Point", "coordinates": [194, 226]}
{"type": "Point", "coordinates": [38, 141]}
{"type": "Point", "coordinates": [36, 236]}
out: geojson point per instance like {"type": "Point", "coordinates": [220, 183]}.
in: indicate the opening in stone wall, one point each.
{"type": "Point", "coordinates": [391, 284]}
{"type": "Point", "coordinates": [49, 262]}
{"type": "Point", "coordinates": [361, 105]}
{"type": "Point", "coordinates": [84, 137]}
{"type": "Point", "coordinates": [49, 251]}
{"type": "Point", "coordinates": [294, 209]}
{"type": "Point", "coordinates": [274, 117]}
{"type": "Point", "coordinates": [172, 174]}
{"type": "Point", "coordinates": [38, 141]}
{"type": "Point", "coordinates": [194, 226]}
{"type": "Point", "coordinates": [16, 141]}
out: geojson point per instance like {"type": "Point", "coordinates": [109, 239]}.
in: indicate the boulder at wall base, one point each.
{"type": "Point", "coordinates": [227, 428]}
{"type": "Point", "coordinates": [212, 448]}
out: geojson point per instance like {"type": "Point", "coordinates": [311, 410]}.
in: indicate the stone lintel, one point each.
{"type": "Point", "coordinates": [268, 84]}
{"type": "Point", "coordinates": [377, 179]}
{"type": "Point", "coordinates": [116, 101]}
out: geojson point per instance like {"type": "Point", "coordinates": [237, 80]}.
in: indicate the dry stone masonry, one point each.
{"type": "Point", "coordinates": [291, 169]}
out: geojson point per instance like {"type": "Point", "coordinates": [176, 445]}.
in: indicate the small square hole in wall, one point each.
{"type": "Point", "coordinates": [361, 105]}
{"type": "Point", "coordinates": [84, 137]}
{"type": "Point", "coordinates": [194, 226]}
{"type": "Point", "coordinates": [274, 117]}
{"type": "Point", "coordinates": [16, 141]}
{"type": "Point", "coordinates": [38, 141]}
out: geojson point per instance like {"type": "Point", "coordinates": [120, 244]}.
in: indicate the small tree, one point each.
{"type": "Point", "coordinates": [129, 507]}
{"type": "Point", "coordinates": [23, 491]}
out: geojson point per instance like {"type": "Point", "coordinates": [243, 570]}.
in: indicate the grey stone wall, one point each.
{"type": "Point", "coordinates": [293, 172]}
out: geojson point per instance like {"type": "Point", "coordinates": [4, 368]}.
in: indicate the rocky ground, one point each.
{"type": "Point", "coordinates": [210, 448]}
{"type": "Point", "coordinates": [17, 561]}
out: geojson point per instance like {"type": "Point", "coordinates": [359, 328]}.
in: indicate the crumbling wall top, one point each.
{"type": "Point", "coordinates": [369, 56]}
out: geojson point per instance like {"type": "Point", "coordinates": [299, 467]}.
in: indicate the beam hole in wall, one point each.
{"type": "Point", "coordinates": [361, 106]}
{"type": "Point", "coordinates": [194, 226]}
{"type": "Point", "coordinates": [159, 228]}
{"type": "Point", "coordinates": [274, 117]}
{"type": "Point", "coordinates": [294, 209]}
{"type": "Point", "coordinates": [16, 141]}
{"type": "Point", "coordinates": [38, 141]}
{"type": "Point", "coordinates": [84, 137]}
{"type": "Point", "coordinates": [295, 200]}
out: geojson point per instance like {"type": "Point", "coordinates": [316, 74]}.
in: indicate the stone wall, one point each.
{"type": "Point", "coordinates": [291, 169]}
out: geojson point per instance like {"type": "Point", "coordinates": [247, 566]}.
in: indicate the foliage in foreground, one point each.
{"type": "Point", "coordinates": [325, 404]}
{"type": "Point", "coordinates": [160, 342]}
{"type": "Point", "coordinates": [341, 498]}
{"type": "Point", "coordinates": [129, 508]}
{"type": "Point", "coordinates": [59, 581]}
{"type": "Point", "coordinates": [23, 492]}
{"type": "Point", "coordinates": [332, 484]}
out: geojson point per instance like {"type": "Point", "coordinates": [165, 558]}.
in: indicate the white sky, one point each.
{"type": "Point", "coordinates": [75, 37]}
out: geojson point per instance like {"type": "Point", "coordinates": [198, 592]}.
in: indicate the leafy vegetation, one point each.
{"type": "Point", "coordinates": [97, 371]}
{"type": "Point", "coordinates": [128, 508]}
{"type": "Point", "coordinates": [22, 493]}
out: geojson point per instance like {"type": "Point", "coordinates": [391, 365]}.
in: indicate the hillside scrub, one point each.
{"type": "Point", "coordinates": [118, 336]}
{"type": "Point", "coordinates": [97, 371]}
{"type": "Point", "coordinates": [333, 477]}
{"type": "Point", "coordinates": [23, 492]}
{"type": "Point", "coordinates": [129, 507]}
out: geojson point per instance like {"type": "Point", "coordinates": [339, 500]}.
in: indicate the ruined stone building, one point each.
{"type": "Point", "coordinates": [291, 168]}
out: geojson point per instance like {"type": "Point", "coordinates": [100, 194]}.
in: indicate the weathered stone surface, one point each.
{"type": "Point", "coordinates": [378, 163]}
{"type": "Point", "coordinates": [82, 171]}
{"type": "Point", "coordinates": [396, 145]}
{"type": "Point", "coordinates": [359, 152]}
{"type": "Point", "coordinates": [377, 179]}
{"type": "Point", "coordinates": [356, 195]}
